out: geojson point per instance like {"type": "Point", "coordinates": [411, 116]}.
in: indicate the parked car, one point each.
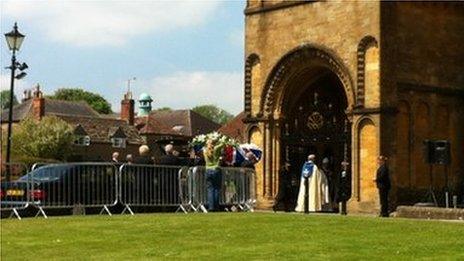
{"type": "Point", "coordinates": [61, 185]}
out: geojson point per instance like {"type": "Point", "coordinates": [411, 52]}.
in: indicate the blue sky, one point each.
{"type": "Point", "coordinates": [183, 53]}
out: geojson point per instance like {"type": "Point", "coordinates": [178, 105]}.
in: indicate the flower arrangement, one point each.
{"type": "Point", "coordinates": [199, 141]}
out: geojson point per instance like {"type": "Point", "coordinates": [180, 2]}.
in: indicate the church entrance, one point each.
{"type": "Point", "coordinates": [315, 122]}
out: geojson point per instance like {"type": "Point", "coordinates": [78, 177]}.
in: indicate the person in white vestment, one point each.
{"type": "Point", "coordinates": [318, 187]}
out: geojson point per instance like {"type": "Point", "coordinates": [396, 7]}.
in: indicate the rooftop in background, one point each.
{"type": "Point", "coordinates": [101, 129]}
{"type": "Point", "coordinates": [52, 107]}
{"type": "Point", "coordinates": [235, 128]}
{"type": "Point", "coordinates": [183, 122]}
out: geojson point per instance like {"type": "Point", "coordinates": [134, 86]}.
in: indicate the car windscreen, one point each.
{"type": "Point", "coordinates": [47, 173]}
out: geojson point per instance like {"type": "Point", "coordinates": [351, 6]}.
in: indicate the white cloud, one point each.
{"type": "Point", "coordinates": [101, 23]}
{"type": "Point", "coordinates": [183, 90]}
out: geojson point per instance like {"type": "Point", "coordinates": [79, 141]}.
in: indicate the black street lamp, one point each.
{"type": "Point", "coordinates": [14, 40]}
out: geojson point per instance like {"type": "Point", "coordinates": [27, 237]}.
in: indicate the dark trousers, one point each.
{"type": "Point", "coordinates": [213, 186]}
{"type": "Point", "coordinates": [383, 194]}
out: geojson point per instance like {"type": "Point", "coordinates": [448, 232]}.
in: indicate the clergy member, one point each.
{"type": "Point", "coordinates": [309, 168]}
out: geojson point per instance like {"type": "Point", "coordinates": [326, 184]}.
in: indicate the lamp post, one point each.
{"type": "Point", "coordinates": [14, 40]}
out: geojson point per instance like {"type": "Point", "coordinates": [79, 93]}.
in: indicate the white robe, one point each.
{"type": "Point", "coordinates": [318, 192]}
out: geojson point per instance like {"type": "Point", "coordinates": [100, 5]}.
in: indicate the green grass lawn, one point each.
{"type": "Point", "coordinates": [230, 236]}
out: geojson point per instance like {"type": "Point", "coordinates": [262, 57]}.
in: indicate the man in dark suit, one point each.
{"type": "Point", "coordinates": [383, 184]}
{"type": "Point", "coordinates": [169, 158]}
{"type": "Point", "coordinates": [144, 156]}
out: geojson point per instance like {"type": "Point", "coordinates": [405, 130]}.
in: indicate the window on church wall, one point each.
{"type": "Point", "coordinates": [82, 140]}
{"type": "Point", "coordinates": [371, 80]}
{"type": "Point", "coordinates": [255, 86]}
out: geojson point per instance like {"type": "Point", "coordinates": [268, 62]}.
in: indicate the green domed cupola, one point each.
{"type": "Point", "coordinates": [144, 104]}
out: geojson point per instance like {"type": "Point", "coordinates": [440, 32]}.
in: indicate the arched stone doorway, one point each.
{"type": "Point", "coordinates": [303, 110]}
{"type": "Point", "coordinates": [314, 121]}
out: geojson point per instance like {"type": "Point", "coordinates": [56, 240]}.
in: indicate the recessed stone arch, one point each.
{"type": "Point", "coordinates": [251, 61]}
{"type": "Point", "coordinates": [365, 43]}
{"type": "Point", "coordinates": [306, 55]}
{"type": "Point", "coordinates": [421, 132]}
{"type": "Point", "coordinates": [368, 150]}
{"type": "Point", "coordinates": [403, 176]}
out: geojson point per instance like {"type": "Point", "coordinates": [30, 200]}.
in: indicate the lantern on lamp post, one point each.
{"type": "Point", "coordinates": [14, 40]}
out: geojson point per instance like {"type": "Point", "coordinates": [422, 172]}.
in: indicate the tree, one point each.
{"type": "Point", "coordinates": [50, 138]}
{"type": "Point", "coordinates": [5, 99]}
{"type": "Point", "coordinates": [96, 101]}
{"type": "Point", "coordinates": [213, 113]}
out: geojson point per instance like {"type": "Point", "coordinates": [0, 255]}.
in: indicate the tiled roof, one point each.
{"type": "Point", "coordinates": [149, 125]}
{"type": "Point", "coordinates": [184, 122]}
{"type": "Point", "coordinates": [52, 107]}
{"type": "Point", "coordinates": [235, 128]}
{"type": "Point", "coordinates": [60, 107]}
{"type": "Point", "coordinates": [102, 129]}
{"type": "Point", "coordinates": [20, 111]}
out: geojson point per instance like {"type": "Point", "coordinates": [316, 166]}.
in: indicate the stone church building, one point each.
{"type": "Point", "coordinates": [353, 80]}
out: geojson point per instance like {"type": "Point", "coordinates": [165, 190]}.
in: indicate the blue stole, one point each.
{"type": "Point", "coordinates": [307, 169]}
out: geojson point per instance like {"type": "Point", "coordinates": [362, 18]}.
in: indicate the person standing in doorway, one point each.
{"type": "Point", "coordinates": [382, 180]}
{"type": "Point", "coordinates": [308, 169]}
{"type": "Point", "coordinates": [333, 183]}
{"type": "Point", "coordinates": [212, 154]}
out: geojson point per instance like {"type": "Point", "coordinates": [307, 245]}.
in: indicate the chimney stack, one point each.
{"type": "Point", "coordinates": [127, 108]}
{"type": "Point", "coordinates": [38, 104]}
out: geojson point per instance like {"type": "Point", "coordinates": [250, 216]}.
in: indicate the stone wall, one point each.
{"type": "Point", "coordinates": [422, 78]}
{"type": "Point", "coordinates": [341, 29]}
{"type": "Point", "coordinates": [404, 64]}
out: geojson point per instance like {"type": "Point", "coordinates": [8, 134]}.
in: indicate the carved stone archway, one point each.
{"type": "Point", "coordinates": [304, 64]}
{"type": "Point", "coordinates": [308, 55]}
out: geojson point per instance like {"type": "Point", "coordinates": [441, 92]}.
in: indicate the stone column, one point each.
{"type": "Point", "coordinates": [276, 157]}
{"type": "Point", "coordinates": [268, 161]}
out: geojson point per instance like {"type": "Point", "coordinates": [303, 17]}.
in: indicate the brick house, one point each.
{"type": "Point", "coordinates": [96, 136]}
{"type": "Point", "coordinates": [159, 128]}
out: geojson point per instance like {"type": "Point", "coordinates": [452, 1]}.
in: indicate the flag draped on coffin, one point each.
{"type": "Point", "coordinates": [241, 150]}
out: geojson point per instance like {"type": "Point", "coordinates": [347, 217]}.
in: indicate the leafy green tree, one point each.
{"type": "Point", "coordinates": [5, 99]}
{"type": "Point", "coordinates": [213, 113]}
{"type": "Point", "coordinates": [49, 138]}
{"type": "Point", "coordinates": [96, 101]}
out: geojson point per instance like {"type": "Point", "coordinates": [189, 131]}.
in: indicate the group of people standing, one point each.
{"type": "Point", "coordinates": [211, 157]}
{"type": "Point", "coordinates": [324, 185]}
{"type": "Point", "coordinates": [171, 157]}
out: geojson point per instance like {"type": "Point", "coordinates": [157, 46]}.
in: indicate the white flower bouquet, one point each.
{"type": "Point", "coordinates": [199, 141]}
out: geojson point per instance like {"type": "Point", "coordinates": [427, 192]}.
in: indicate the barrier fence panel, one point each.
{"type": "Point", "coordinates": [197, 177]}
{"type": "Point", "coordinates": [149, 185]}
{"type": "Point", "coordinates": [15, 188]}
{"type": "Point", "coordinates": [237, 188]}
{"type": "Point", "coordinates": [185, 188]}
{"type": "Point", "coordinates": [74, 185]}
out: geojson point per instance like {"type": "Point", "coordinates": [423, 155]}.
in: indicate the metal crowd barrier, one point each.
{"type": "Point", "coordinates": [15, 193]}
{"type": "Point", "coordinates": [150, 185]}
{"type": "Point", "coordinates": [73, 185]}
{"type": "Point", "coordinates": [237, 188]}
